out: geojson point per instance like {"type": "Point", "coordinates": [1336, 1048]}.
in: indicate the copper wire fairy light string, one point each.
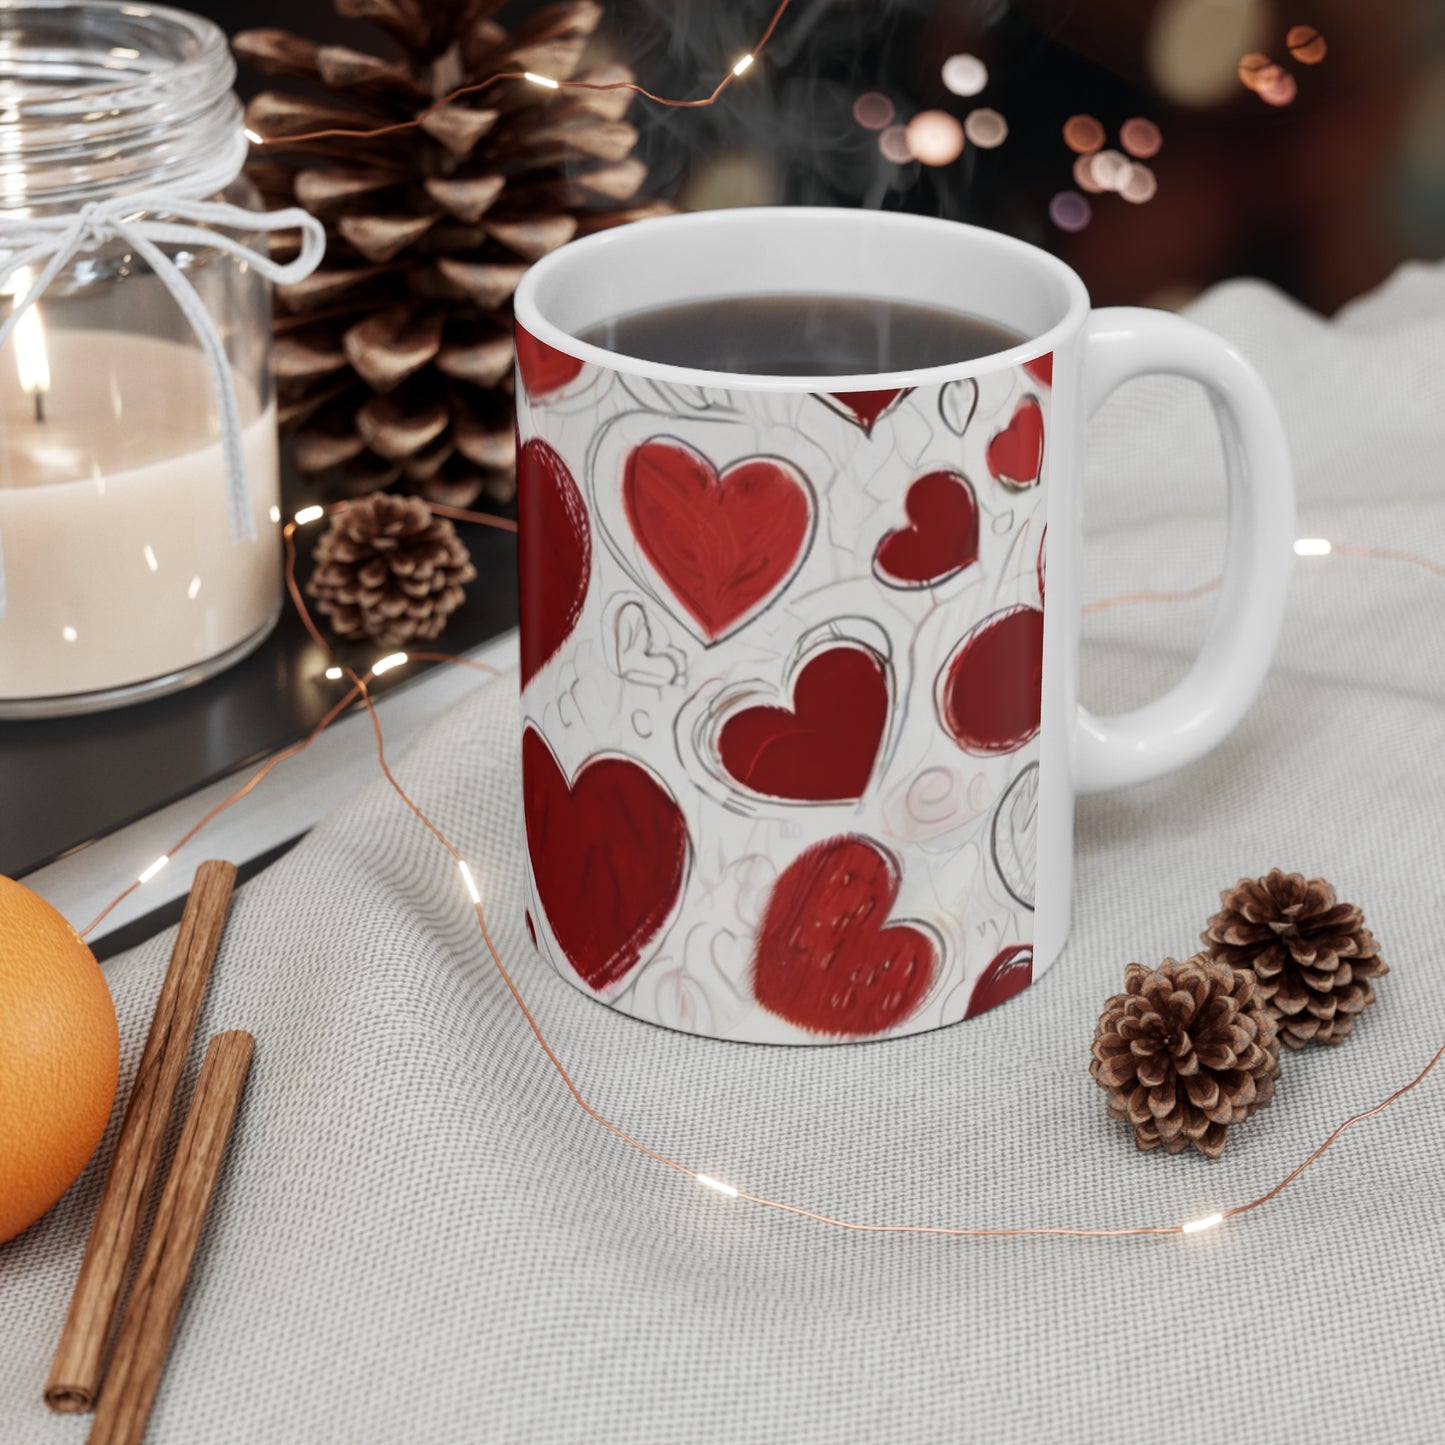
{"type": "Point", "coordinates": [1190, 594]}
{"type": "Point", "coordinates": [360, 689]}
{"type": "Point", "coordinates": [546, 81]}
{"type": "Point", "coordinates": [1130, 599]}
{"type": "Point", "coordinates": [254, 781]}
{"type": "Point", "coordinates": [330, 716]}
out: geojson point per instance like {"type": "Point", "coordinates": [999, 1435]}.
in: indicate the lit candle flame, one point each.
{"type": "Point", "coordinates": [29, 337]}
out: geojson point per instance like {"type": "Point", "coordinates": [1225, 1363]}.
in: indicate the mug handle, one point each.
{"type": "Point", "coordinates": [1199, 711]}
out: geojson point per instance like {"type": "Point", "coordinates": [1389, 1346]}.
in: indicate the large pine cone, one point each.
{"type": "Point", "coordinates": [394, 359]}
{"type": "Point", "coordinates": [1187, 1050]}
{"type": "Point", "coordinates": [388, 570]}
{"type": "Point", "coordinates": [1313, 957]}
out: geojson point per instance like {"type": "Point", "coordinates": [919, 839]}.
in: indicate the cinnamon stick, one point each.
{"type": "Point", "coordinates": [155, 1298]}
{"type": "Point", "coordinates": [79, 1362]}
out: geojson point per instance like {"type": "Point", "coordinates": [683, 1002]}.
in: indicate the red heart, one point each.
{"type": "Point", "coordinates": [1011, 972]}
{"type": "Point", "coordinates": [724, 543]}
{"type": "Point", "coordinates": [554, 553]}
{"type": "Point", "coordinates": [865, 407]}
{"type": "Point", "coordinates": [544, 369]}
{"type": "Point", "coordinates": [826, 958]}
{"type": "Point", "coordinates": [823, 750]}
{"type": "Point", "coordinates": [990, 691]}
{"type": "Point", "coordinates": [608, 857]}
{"type": "Point", "coordinates": [1016, 454]}
{"type": "Point", "coordinates": [941, 537]}
{"type": "Point", "coordinates": [1041, 368]}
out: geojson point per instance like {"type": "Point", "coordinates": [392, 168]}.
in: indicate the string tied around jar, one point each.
{"type": "Point", "coordinates": [146, 221]}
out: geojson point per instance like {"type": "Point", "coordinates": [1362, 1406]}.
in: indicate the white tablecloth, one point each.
{"type": "Point", "coordinates": [418, 1237]}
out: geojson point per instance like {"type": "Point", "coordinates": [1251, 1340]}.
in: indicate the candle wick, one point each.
{"type": "Point", "coordinates": [39, 404]}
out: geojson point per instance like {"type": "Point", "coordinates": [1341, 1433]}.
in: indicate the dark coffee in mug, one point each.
{"type": "Point", "coordinates": [801, 335]}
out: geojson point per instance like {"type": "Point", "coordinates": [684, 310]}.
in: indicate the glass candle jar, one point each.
{"type": "Point", "coordinates": [130, 565]}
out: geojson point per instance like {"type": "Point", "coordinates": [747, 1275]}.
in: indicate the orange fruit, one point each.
{"type": "Point", "coordinates": [59, 1056]}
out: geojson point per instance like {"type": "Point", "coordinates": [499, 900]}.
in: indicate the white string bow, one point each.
{"type": "Point", "coordinates": [52, 242]}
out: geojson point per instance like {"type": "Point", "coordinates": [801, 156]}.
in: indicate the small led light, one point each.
{"type": "Point", "coordinates": [469, 880]}
{"type": "Point", "coordinates": [309, 514]}
{"type": "Point", "coordinates": [541, 80]}
{"type": "Point", "coordinates": [385, 664]}
{"type": "Point", "coordinates": [256, 140]}
{"type": "Point", "coordinates": [154, 868]}
{"type": "Point", "coordinates": [1313, 547]}
{"type": "Point", "coordinates": [873, 111]}
{"type": "Point", "coordinates": [69, 633]}
{"type": "Point", "coordinates": [275, 513]}
{"type": "Point", "coordinates": [194, 589]}
{"type": "Point", "coordinates": [742, 64]}
{"type": "Point", "coordinates": [708, 1182]}
{"type": "Point", "coordinates": [964, 74]}
{"type": "Point", "coordinates": [1196, 1225]}
{"type": "Point", "coordinates": [333, 673]}
{"type": "Point", "coordinates": [150, 557]}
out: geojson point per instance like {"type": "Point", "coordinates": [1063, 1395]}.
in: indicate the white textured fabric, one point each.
{"type": "Point", "coordinates": [418, 1236]}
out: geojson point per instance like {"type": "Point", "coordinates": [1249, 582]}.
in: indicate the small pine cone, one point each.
{"type": "Point", "coordinates": [388, 570]}
{"type": "Point", "coordinates": [1185, 1051]}
{"type": "Point", "coordinates": [1313, 957]}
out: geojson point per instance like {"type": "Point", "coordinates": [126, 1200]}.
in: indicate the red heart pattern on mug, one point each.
{"type": "Point", "coordinates": [823, 748]}
{"type": "Point", "coordinates": [865, 408]}
{"type": "Point", "coordinates": [991, 689]}
{"type": "Point", "coordinates": [724, 542]}
{"type": "Point", "coordinates": [1015, 456]}
{"type": "Point", "coordinates": [1041, 368]}
{"type": "Point", "coordinates": [554, 554]}
{"type": "Point", "coordinates": [544, 369]}
{"type": "Point", "coordinates": [941, 537]}
{"type": "Point", "coordinates": [827, 959]}
{"type": "Point", "coordinates": [1010, 972]}
{"type": "Point", "coordinates": [608, 853]}
{"type": "Point", "coordinates": [819, 600]}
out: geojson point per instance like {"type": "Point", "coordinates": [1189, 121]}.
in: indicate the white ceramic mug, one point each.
{"type": "Point", "coordinates": [801, 731]}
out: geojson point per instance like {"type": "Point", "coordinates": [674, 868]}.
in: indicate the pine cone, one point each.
{"type": "Point", "coordinates": [1312, 956]}
{"type": "Point", "coordinates": [1185, 1051]}
{"type": "Point", "coordinates": [388, 570]}
{"type": "Point", "coordinates": [394, 360]}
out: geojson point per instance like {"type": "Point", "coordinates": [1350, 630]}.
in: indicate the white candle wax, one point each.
{"type": "Point", "coordinates": [114, 523]}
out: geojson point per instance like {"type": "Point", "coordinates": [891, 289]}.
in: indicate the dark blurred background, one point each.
{"type": "Point", "coordinates": [1319, 166]}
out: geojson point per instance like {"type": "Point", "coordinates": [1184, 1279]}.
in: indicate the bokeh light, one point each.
{"type": "Point", "coordinates": [965, 74]}
{"type": "Point", "coordinates": [934, 137]}
{"type": "Point", "coordinates": [1070, 211]}
{"type": "Point", "coordinates": [1110, 170]}
{"type": "Point", "coordinates": [1140, 137]}
{"type": "Point", "coordinates": [893, 142]}
{"type": "Point", "coordinates": [1084, 175]}
{"type": "Point", "coordinates": [1252, 66]}
{"type": "Point", "coordinates": [1194, 46]}
{"type": "Point", "coordinates": [1083, 134]}
{"type": "Point", "coordinates": [872, 110]}
{"type": "Point", "coordinates": [985, 128]}
{"type": "Point", "coordinates": [1306, 44]}
{"type": "Point", "coordinates": [1277, 86]}
{"type": "Point", "coordinates": [1140, 185]}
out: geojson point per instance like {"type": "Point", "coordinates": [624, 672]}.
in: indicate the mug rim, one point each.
{"type": "Point", "coordinates": [590, 249]}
